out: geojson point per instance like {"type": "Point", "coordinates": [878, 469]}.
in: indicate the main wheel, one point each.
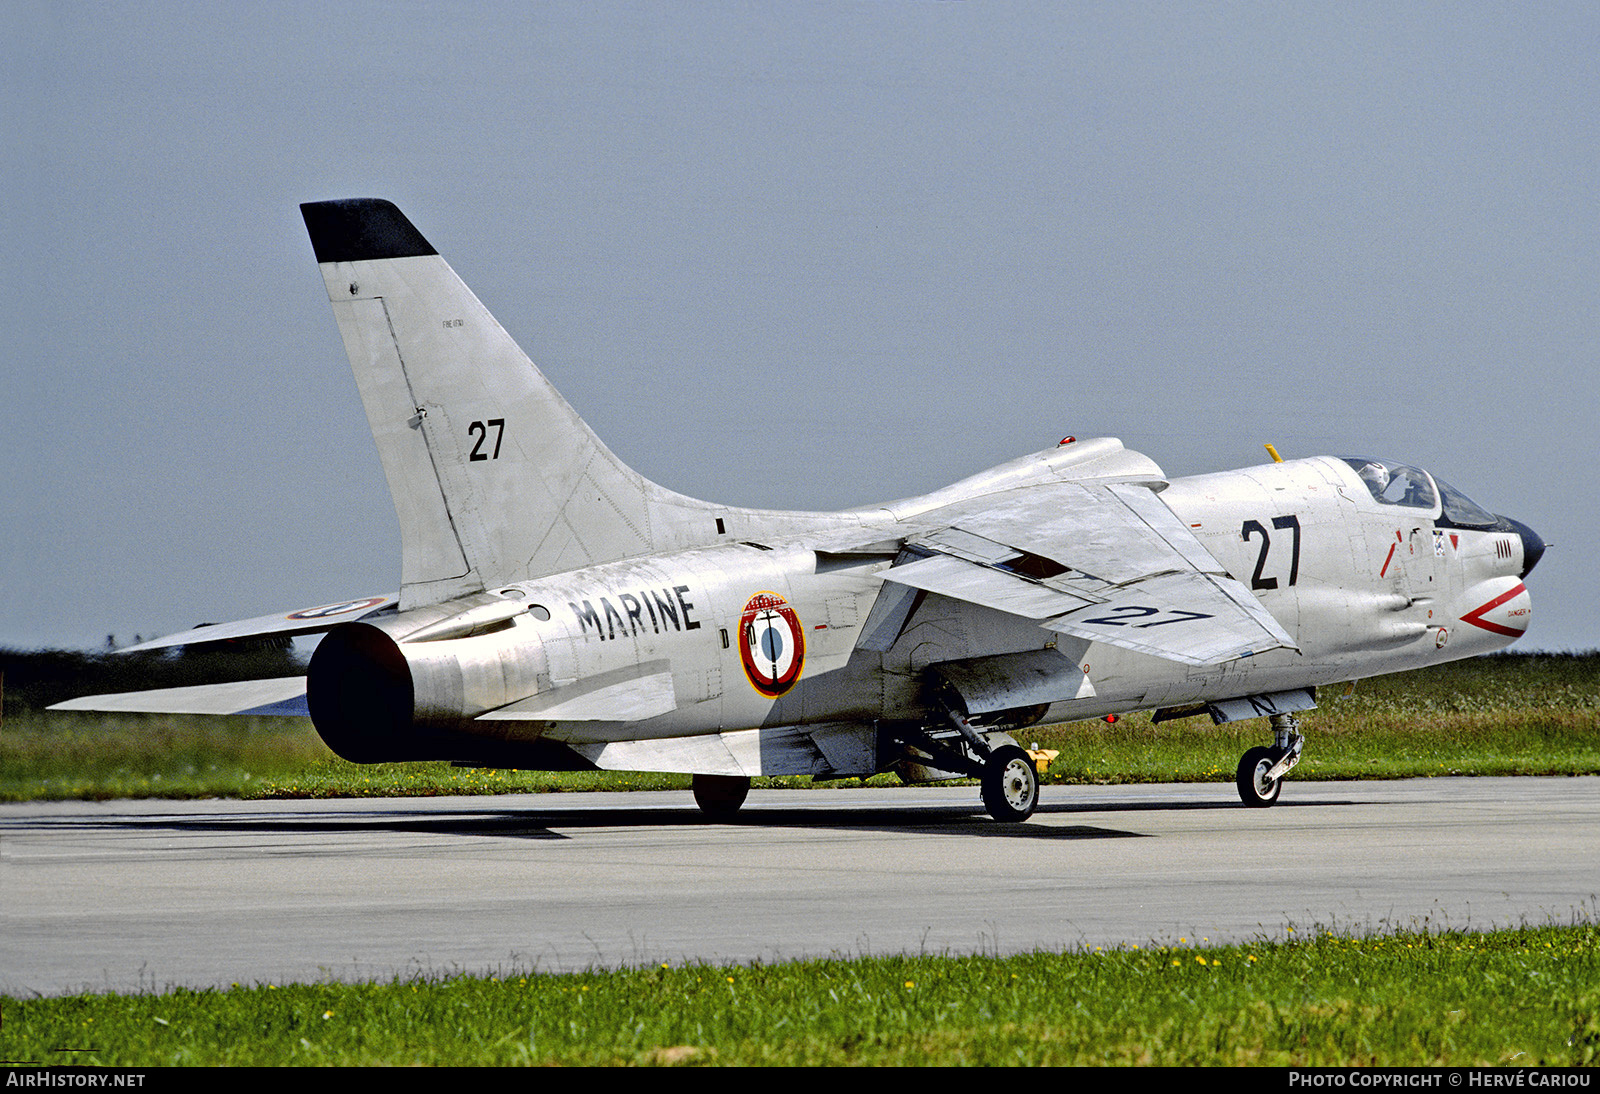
{"type": "Point", "coordinates": [720, 795]}
{"type": "Point", "coordinates": [1255, 789]}
{"type": "Point", "coordinates": [1010, 784]}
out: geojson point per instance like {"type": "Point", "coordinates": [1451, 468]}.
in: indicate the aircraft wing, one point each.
{"type": "Point", "coordinates": [303, 621]}
{"type": "Point", "coordinates": [1109, 563]}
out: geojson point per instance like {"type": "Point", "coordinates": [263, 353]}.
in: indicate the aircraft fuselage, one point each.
{"type": "Point", "coordinates": [748, 634]}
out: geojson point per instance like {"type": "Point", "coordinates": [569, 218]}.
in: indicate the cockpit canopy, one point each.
{"type": "Point", "coordinates": [1394, 483]}
{"type": "Point", "coordinates": [1400, 484]}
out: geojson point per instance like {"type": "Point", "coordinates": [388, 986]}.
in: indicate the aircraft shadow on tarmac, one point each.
{"type": "Point", "coordinates": [509, 823]}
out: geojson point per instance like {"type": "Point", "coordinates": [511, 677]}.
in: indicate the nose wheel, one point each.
{"type": "Point", "coordinates": [1261, 770]}
{"type": "Point", "coordinates": [1256, 786]}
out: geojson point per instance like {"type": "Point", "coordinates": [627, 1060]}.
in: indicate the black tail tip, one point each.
{"type": "Point", "coordinates": [360, 230]}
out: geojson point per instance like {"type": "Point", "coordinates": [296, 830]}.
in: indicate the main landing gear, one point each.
{"type": "Point", "coordinates": [1010, 784]}
{"type": "Point", "coordinates": [1008, 776]}
{"type": "Point", "coordinates": [1261, 770]}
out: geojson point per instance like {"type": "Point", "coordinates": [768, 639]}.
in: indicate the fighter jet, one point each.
{"type": "Point", "coordinates": [559, 611]}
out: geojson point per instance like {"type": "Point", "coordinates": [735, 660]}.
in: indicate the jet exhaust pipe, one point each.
{"type": "Point", "coordinates": [375, 695]}
{"type": "Point", "coordinates": [359, 692]}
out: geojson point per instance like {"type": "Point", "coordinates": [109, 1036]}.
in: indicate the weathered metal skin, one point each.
{"type": "Point", "coordinates": [558, 609]}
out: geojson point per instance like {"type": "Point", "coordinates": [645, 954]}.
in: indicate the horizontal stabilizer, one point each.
{"type": "Point", "coordinates": [316, 620]}
{"type": "Point", "coordinates": [282, 695]}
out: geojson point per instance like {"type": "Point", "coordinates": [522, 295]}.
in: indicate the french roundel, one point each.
{"type": "Point", "coordinates": [342, 608]}
{"type": "Point", "coordinates": [771, 644]}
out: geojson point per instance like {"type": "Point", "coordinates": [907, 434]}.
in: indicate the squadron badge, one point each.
{"type": "Point", "coordinates": [772, 644]}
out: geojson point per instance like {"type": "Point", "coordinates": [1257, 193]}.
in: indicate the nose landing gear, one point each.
{"type": "Point", "coordinates": [1261, 770]}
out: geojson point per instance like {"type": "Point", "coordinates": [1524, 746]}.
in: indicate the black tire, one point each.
{"type": "Point", "coordinates": [1253, 790]}
{"type": "Point", "coordinates": [1010, 784]}
{"type": "Point", "coordinates": [720, 796]}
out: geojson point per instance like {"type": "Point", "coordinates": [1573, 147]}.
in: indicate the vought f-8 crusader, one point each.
{"type": "Point", "coordinates": [559, 611]}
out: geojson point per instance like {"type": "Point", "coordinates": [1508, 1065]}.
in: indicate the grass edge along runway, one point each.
{"type": "Point", "coordinates": [1523, 997]}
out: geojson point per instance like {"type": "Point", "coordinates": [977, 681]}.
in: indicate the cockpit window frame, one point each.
{"type": "Point", "coordinates": [1396, 485]}
{"type": "Point", "coordinates": [1450, 507]}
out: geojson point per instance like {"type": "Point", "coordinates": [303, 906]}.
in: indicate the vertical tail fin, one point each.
{"type": "Point", "coordinates": [495, 478]}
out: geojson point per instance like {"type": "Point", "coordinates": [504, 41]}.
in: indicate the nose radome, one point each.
{"type": "Point", "coordinates": [1532, 546]}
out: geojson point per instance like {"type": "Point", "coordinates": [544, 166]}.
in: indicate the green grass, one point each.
{"type": "Point", "coordinates": [57, 755]}
{"type": "Point", "coordinates": [1521, 997]}
{"type": "Point", "coordinates": [1506, 715]}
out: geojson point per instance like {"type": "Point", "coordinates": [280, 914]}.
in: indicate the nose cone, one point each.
{"type": "Point", "coordinates": [1532, 546]}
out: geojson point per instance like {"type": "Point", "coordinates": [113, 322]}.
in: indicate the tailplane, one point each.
{"type": "Point", "coordinates": [495, 478]}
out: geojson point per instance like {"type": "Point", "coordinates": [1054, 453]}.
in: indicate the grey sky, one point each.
{"type": "Point", "coordinates": [807, 255]}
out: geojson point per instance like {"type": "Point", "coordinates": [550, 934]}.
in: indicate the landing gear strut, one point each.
{"type": "Point", "coordinates": [1261, 770]}
{"type": "Point", "coordinates": [1008, 775]}
{"type": "Point", "coordinates": [720, 796]}
{"type": "Point", "coordinates": [1010, 779]}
